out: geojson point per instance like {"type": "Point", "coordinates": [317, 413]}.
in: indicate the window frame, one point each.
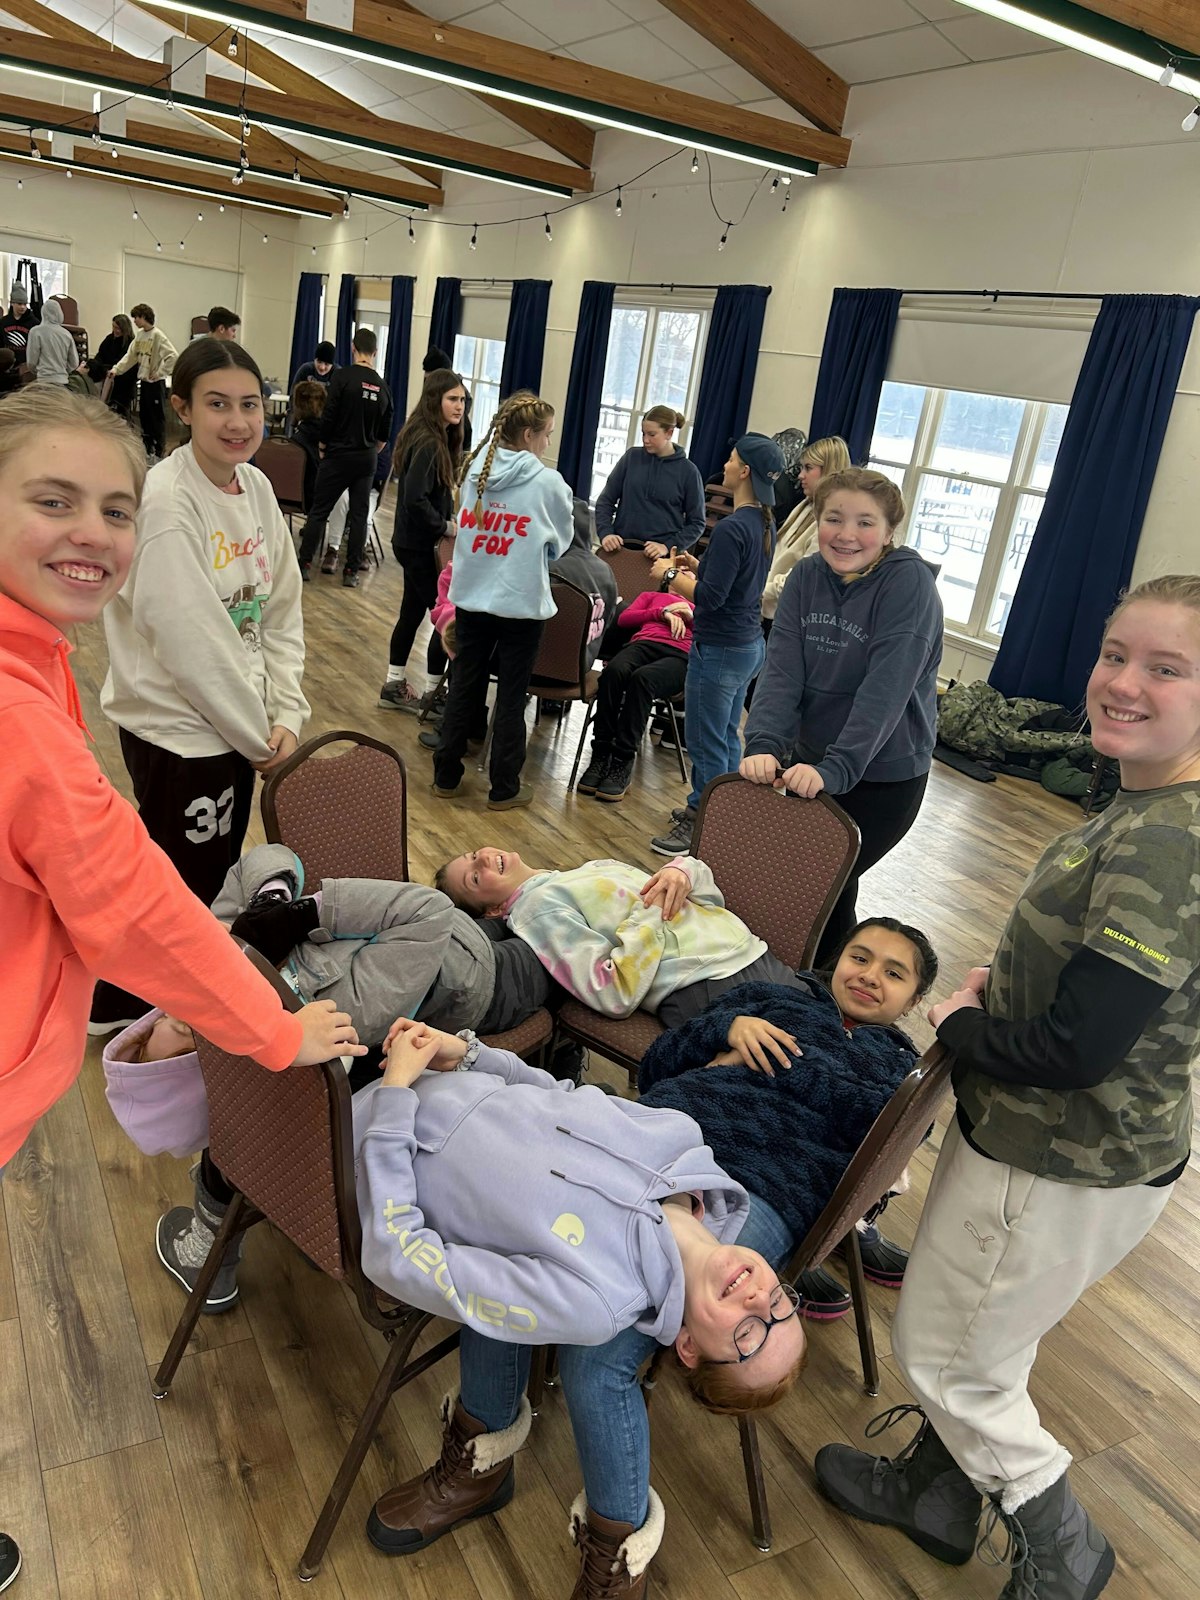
{"type": "Point", "coordinates": [1011, 489]}
{"type": "Point", "coordinates": [11, 257]}
{"type": "Point", "coordinates": [474, 378]}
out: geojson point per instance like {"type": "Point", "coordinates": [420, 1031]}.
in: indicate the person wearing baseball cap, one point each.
{"type": "Point", "coordinates": [725, 588]}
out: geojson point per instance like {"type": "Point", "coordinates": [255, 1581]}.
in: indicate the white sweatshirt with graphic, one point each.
{"type": "Point", "coordinates": [206, 639]}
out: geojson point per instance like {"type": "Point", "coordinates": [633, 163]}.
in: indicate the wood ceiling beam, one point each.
{"type": "Point", "coordinates": [273, 69]}
{"type": "Point", "coordinates": [480, 61]}
{"type": "Point", "coordinates": [15, 149]}
{"type": "Point", "coordinates": [762, 48]}
{"type": "Point", "coordinates": [77, 63]}
{"type": "Point", "coordinates": [1176, 21]}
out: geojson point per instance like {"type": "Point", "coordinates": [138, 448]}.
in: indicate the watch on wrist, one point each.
{"type": "Point", "coordinates": [671, 574]}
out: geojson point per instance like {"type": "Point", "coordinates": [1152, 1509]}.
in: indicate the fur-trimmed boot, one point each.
{"type": "Point", "coordinates": [472, 1477]}
{"type": "Point", "coordinates": [615, 1557]}
{"type": "Point", "coordinates": [185, 1236]}
{"type": "Point", "coordinates": [1055, 1549]}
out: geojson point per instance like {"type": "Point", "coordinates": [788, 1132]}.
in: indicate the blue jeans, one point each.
{"type": "Point", "coordinates": [608, 1414]}
{"type": "Point", "coordinates": [717, 679]}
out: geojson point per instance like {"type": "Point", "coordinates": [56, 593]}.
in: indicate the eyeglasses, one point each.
{"type": "Point", "coordinates": [752, 1332]}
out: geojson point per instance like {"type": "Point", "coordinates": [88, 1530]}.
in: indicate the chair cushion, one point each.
{"type": "Point", "coordinates": [624, 1040]}
{"type": "Point", "coordinates": [526, 1038]}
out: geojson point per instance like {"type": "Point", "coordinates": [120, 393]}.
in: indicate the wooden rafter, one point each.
{"type": "Point", "coordinates": [1177, 21]}
{"type": "Point", "coordinates": [78, 63]}
{"type": "Point", "coordinates": [766, 52]}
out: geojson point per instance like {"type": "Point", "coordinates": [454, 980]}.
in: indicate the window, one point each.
{"type": "Point", "coordinates": [479, 361]}
{"type": "Point", "coordinates": [974, 469]}
{"type": "Point", "coordinates": [52, 275]}
{"type": "Point", "coordinates": [653, 359]}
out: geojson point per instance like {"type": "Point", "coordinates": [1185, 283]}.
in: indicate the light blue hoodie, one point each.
{"type": "Point", "coordinates": [530, 1210]}
{"type": "Point", "coordinates": [502, 558]}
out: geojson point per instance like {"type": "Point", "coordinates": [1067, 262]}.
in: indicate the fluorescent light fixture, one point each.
{"type": "Point", "coordinates": [1074, 26]}
{"type": "Point", "coordinates": [482, 82]}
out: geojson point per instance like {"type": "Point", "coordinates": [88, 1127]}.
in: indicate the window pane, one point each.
{"type": "Point", "coordinates": [485, 397]}
{"type": "Point", "coordinates": [464, 355]}
{"type": "Point", "coordinates": [612, 441]}
{"type": "Point", "coordinates": [896, 422]}
{"type": "Point", "coordinates": [1047, 455]}
{"type": "Point", "coordinates": [1029, 509]}
{"type": "Point", "coordinates": [951, 524]}
{"type": "Point", "coordinates": [978, 434]}
{"type": "Point", "coordinates": [889, 470]}
{"type": "Point", "coordinates": [671, 361]}
{"type": "Point", "coordinates": [625, 336]}
{"type": "Point", "coordinates": [491, 360]}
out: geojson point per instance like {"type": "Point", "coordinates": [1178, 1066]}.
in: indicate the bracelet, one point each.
{"type": "Point", "coordinates": [473, 1044]}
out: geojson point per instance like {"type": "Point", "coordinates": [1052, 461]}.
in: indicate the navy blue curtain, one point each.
{"type": "Point", "coordinates": [347, 305]}
{"type": "Point", "coordinates": [525, 337]}
{"type": "Point", "coordinates": [306, 329]}
{"type": "Point", "coordinates": [727, 377]}
{"type": "Point", "coordinates": [854, 358]}
{"type": "Point", "coordinates": [399, 350]}
{"type": "Point", "coordinates": [1087, 536]}
{"type": "Point", "coordinates": [581, 415]}
{"type": "Point", "coordinates": [446, 318]}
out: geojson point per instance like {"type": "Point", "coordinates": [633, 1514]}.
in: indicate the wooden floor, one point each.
{"type": "Point", "coordinates": [212, 1492]}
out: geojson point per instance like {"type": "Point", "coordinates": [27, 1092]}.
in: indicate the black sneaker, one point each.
{"type": "Point", "coordinates": [616, 781]}
{"type": "Point", "coordinates": [822, 1297]}
{"type": "Point", "coordinates": [593, 775]}
{"type": "Point", "coordinates": [10, 1560]}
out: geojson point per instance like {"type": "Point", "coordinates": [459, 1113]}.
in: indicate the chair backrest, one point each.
{"type": "Point", "coordinates": [443, 552]}
{"type": "Point", "coordinates": [780, 861]}
{"type": "Point", "coordinates": [345, 814]}
{"type": "Point", "coordinates": [718, 503]}
{"type": "Point", "coordinates": [562, 654]}
{"type": "Point", "coordinates": [880, 1159]}
{"type": "Point", "coordinates": [283, 461]}
{"type": "Point", "coordinates": [631, 570]}
{"type": "Point", "coordinates": [199, 325]}
{"type": "Point", "coordinates": [70, 309]}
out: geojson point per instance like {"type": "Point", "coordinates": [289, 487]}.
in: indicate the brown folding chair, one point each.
{"type": "Point", "coordinates": [346, 814]}
{"type": "Point", "coordinates": [283, 461]}
{"type": "Point", "coordinates": [788, 906]}
{"type": "Point", "coordinates": [877, 1164]}
{"type": "Point", "coordinates": [283, 1141]}
{"type": "Point", "coordinates": [528, 1039]}
{"type": "Point", "coordinates": [631, 570]}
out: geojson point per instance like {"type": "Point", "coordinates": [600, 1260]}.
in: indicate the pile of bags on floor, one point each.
{"type": "Point", "coordinates": [981, 734]}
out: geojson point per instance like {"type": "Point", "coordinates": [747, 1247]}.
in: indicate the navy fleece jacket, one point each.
{"type": "Point", "coordinates": [653, 497]}
{"type": "Point", "coordinates": [791, 1137]}
{"type": "Point", "coordinates": [850, 680]}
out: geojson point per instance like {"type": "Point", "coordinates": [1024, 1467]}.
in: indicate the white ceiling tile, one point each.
{"type": "Point", "coordinates": [696, 83]}
{"type": "Point", "coordinates": [821, 22]}
{"type": "Point", "coordinates": [565, 21]}
{"type": "Point", "coordinates": [737, 82]}
{"type": "Point", "coordinates": [634, 51]}
{"type": "Point", "coordinates": [490, 130]}
{"type": "Point", "coordinates": [307, 56]}
{"type": "Point", "coordinates": [451, 10]}
{"type": "Point", "coordinates": [506, 24]}
{"type": "Point", "coordinates": [355, 85]}
{"type": "Point", "coordinates": [937, 10]}
{"type": "Point", "coordinates": [403, 112]}
{"type": "Point", "coordinates": [892, 55]}
{"type": "Point", "coordinates": [773, 107]}
{"type": "Point", "coordinates": [687, 42]}
{"type": "Point", "coordinates": [988, 39]}
{"type": "Point", "coordinates": [640, 10]}
{"type": "Point", "coordinates": [445, 105]}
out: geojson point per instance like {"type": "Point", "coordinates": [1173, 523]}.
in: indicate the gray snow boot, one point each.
{"type": "Point", "coordinates": [184, 1238]}
{"type": "Point", "coordinates": [922, 1491]}
{"type": "Point", "coordinates": [1055, 1550]}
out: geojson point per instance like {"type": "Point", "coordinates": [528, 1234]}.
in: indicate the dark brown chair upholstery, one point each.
{"type": "Point", "coordinates": [528, 1039]}
{"type": "Point", "coordinates": [780, 863]}
{"type": "Point", "coordinates": [631, 570]}
{"type": "Point", "coordinates": [877, 1164]}
{"type": "Point", "coordinates": [199, 326]}
{"type": "Point", "coordinates": [346, 814]}
{"type": "Point", "coordinates": [283, 461]}
{"type": "Point", "coordinates": [283, 1141]}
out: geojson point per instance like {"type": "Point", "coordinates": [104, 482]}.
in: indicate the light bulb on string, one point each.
{"type": "Point", "coordinates": [135, 213]}
{"type": "Point", "coordinates": [264, 238]}
{"type": "Point", "coordinates": [158, 246]}
{"type": "Point", "coordinates": [549, 232]}
{"type": "Point", "coordinates": [237, 179]}
{"type": "Point", "coordinates": [221, 208]}
{"type": "Point", "coordinates": [34, 148]}
{"type": "Point", "coordinates": [346, 209]}
{"type": "Point", "coordinates": [775, 184]}
{"type": "Point", "coordinates": [787, 180]}
{"type": "Point", "coordinates": [181, 244]}
{"type": "Point", "coordinates": [618, 206]}
{"type": "Point", "coordinates": [412, 238]}
{"type": "Point", "coordinates": [96, 139]}
{"type": "Point", "coordinates": [695, 162]}
{"type": "Point", "coordinates": [1166, 76]}
{"type": "Point", "coordinates": [114, 152]}
{"type": "Point", "coordinates": [233, 43]}
{"type": "Point", "coordinates": [724, 239]}
{"type": "Point", "coordinates": [1190, 121]}
{"type": "Point", "coordinates": [243, 158]}
{"type": "Point", "coordinates": [296, 171]}
{"type": "Point", "coordinates": [70, 174]}
{"type": "Point", "coordinates": [474, 235]}
{"type": "Point", "coordinates": [20, 185]}
{"type": "Point", "coordinates": [314, 249]}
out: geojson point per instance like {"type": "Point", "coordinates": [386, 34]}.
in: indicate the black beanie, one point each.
{"type": "Point", "coordinates": [436, 359]}
{"type": "Point", "coordinates": [274, 929]}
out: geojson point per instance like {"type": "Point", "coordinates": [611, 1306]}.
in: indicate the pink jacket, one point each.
{"type": "Point", "coordinates": [442, 611]}
{"type": "Point", "coordinates": [645, 615]}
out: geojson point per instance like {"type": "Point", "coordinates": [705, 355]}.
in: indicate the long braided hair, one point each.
{"type": "Point", "coordinates": [522, 412]}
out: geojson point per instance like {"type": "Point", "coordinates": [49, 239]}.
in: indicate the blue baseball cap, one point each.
{"type": "Point", "coordinates": [765, 460]}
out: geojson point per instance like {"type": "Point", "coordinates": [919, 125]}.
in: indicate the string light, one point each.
{"type": "Point", "coordinates": [181, 244]}
{"type": "Point", "coordinates": [1166, 76]}
{"type": "Point", "coordinates": [135, 213]}
{"type": "Point", "coordinates": [618, 207]}
{"type": "Point", "coordinates": [158, 246]}
{"type": "Point", "coordinates": [775, 183]}
{"type": "Point", "coordinates": [114, 152]}
{"type": "Point", "coordinates": [35, 149]}
{"type": "Point", "coordinates": [96, 139]}
{"type": "Point", "coordinates": [20, 185]}
{"type": "Point", "coordinates": [787, 180]}
{"type": "Point", "coordinates": [548, 230]}
{"type": "Point", "coordinates": [237, 179]}
{"type": "Point", "coordinates": [412, 238]}
{"type": "Point", "coordinates": [264, 238]}
{"type": "Point", "coordinates": [199, 216]}
{"type": "Point", "coordinates": [1190, 121]}
{"type": "Point", "coordinates": [243, 158]}
{"type": "Point", "coordinates": [695, 162]}
{"type": "Point", "coordinates": [296, 171]}
{"type": "Point", "coordinates": [474, 234]}
{"type": "Point", "coordinates": [70, 174]}
{"type": "Point", "coordinates": [221, 208]}
{"type": "Point", "coordinates": [314, 249]}
{"type": "Point", "coordinates": [724, 238]}
{"type": "Point", "coordinates": [233, 43]}
{"type": "Point", "coordinates": [346, 209]}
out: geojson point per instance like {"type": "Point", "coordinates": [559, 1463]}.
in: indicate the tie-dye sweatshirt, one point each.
{"type": "Point", "coordinates": [591, 932]}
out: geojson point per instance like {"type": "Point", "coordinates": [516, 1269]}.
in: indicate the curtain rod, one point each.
{"type": "Point", "coordinates": [492, 283]}
{"type": "Point", "coordinates": [997, 294]}
{"type": "Point", "coordinates": [670, 287]}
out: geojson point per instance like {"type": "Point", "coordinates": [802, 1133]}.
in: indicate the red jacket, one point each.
{"type": "Point", "coordinates": [645, 616]}
{"type": "Point", "coordinates": [85, 894]}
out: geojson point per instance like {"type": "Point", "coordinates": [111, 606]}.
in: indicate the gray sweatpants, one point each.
{"type": "Point", "coordinates": [522, 986]}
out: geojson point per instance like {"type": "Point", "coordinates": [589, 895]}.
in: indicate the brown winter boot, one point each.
{"type": "Point", "coordinates": [471, 1478]}
{"type": "Point", "coordinates": [615, 1556]}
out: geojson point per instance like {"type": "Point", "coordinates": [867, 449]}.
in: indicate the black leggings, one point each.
{"type": "Point", "coordinates": [420, 593]}
{"type": "Point", "coordinates": [884, 813]}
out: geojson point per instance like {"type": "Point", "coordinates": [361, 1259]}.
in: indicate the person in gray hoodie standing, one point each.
{"type": "Point", "coordinates": [846, 701]}
{"type": "Point", "coordinates": [51, 353]}
{"type": "Point", "coordinates": [654, 493]}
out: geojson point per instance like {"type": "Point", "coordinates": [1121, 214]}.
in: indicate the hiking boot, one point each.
{"type": "Point", "coordinates": [1055, 1550]}
{"type": "Point", "coordinates": [593, 775]}
{"type": "Point", "coordinates": [822, 1297]}
{"type": "Point", "coordinates": [523, 797]}
{"type": "Point", "coordinates": [399, 695]}
{"type": "Point", "coordinates": [616, 781]}
{"type": "Point", "coordinates": [329, 565]}
{"type": "Point", "coordinates": [185, 1236]}
{"type": "Point", "coordinates": [614, 1556]}
{"type": "Point", "coordinates": [677, 841]}
{"type": "Point", "coordinates": [349, 577]}
{"type": "Point", "coordinates": [10, 1560]}
{"type": "Point", "coordinates": [922, 1491]}
{"type": "Point", "coordinates": [471, 1478]}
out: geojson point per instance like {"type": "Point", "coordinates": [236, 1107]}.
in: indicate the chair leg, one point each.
{"type": "Point", "coordinates": [862, 1314]}
{"type": "Point", "coordinates": [487, 742]}
{"type": "Point", "coordinates": [587, 722]}
{"type": "Point", "coordinates": [678, 740]}
{"type": "Point", "coordinates": [551, 1379]}
{"type": "Point", "coordinates": [535, 1388]}
{"type": "Point", "coordinates": [339, 1493]}
{"type": "Point", "coordinates": [231, 1226]}
{"type": "Point", "coordinates": [757, 1489]}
